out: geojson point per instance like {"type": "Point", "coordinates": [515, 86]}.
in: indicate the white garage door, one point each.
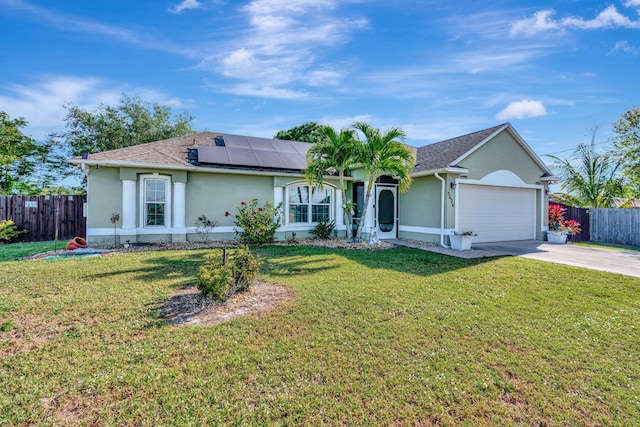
{"type": "Point", "coordinates": [497, 214]}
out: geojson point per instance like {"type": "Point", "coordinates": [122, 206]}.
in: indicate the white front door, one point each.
{"type": "Point", "coordinates": [386, 211]}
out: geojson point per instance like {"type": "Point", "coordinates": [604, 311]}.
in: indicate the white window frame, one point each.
{"type": "Point", "coordinates": [309, 204]}
{"type": "Point", "coordinates": [167, 201]}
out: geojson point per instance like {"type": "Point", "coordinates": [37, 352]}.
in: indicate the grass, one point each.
{"type": "Point", "coordinates": [397, 337]}
{"type": "Point", "coordinates": [15, 251]}
{"type": "Point", "coordinates": [608, 246]}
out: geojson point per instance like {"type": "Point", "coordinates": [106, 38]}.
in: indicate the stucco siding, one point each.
{"type": "Point", "coordinates": [420, 205]}
{"type": "Point", "coordinates": [214, 194]}
{"type": "Point", "coordinates": [104, 196]}
{"type": "Point", "coordinates": [503, 152]}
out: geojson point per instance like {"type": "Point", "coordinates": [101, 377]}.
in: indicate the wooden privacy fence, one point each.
{"type": "Point", "coordinates": [615, 225]}
{"type": "Point", "coordinates": [45, 216]}
{"type": "Point", "coordinates": [582, 216]}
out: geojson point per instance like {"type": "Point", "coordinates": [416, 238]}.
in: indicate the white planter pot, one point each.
{"type": "Point", "coordinates": [557, 237]}
{"type": "Point", "coordinates": [460, 243]}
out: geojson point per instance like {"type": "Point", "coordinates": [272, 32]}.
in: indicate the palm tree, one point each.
{"type": "Point", "coordinates": [333, 154]}
{"type": "Point", "coordinates": [591, 179]}
{"type": "Point", "coordinates": [380, 153]}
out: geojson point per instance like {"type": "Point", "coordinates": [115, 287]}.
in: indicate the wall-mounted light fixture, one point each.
{"type": "Point", "coordinates": [452, 185]}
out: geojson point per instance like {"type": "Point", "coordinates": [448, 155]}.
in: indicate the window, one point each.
{"type": "Point", "coordinates": [309, 205]}
{"type": "Point", "coordinates": [155, 206]}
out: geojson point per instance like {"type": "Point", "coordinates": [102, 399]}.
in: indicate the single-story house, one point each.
{"type": "Point", "coordinates": [489, 182]}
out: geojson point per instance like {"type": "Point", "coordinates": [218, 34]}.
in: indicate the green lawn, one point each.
{"type": "Point", "coordinates": [15, 251]}
{"type": "Point", "coordinates": [397, 337]}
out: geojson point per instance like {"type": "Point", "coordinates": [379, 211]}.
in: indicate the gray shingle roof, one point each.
{"type": "Point", "coordinates": [441, 154]}
{"type": "Point", "coordinates": [173, 152]}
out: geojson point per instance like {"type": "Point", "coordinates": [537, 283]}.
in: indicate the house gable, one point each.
{"type": "Point", "coordinates": [503, 151]}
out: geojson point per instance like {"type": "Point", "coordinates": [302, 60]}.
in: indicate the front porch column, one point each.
{"type": "Point", "coordinates": [278, 197]}
{"type": "Point", "coordinates": [128, 229]}
{"type": "Point", "coordinates": [128, 204]}
{"type": "Point", "coordinates": [339, 216]}
{"type": "Point", "coordinates": [179, 212]}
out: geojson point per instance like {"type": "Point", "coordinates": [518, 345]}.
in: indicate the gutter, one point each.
{"type": "Point", "coordinates": [442, 201]}
{"type": "Point", "coordinates": [453, 170]}
{"type": "Point", "coordinates": [188, 168]}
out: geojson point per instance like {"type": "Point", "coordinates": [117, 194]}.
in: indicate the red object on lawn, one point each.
{"type": "Point", "coordinates": [76, 243]}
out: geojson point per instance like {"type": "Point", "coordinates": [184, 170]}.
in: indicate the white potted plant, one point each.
{"type": "Point", "coordinates": [461, 241]}
{"type": "Point", "coordinates": [560, 228]}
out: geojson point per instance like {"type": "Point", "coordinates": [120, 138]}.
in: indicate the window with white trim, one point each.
{"type": "Point", "coordinates": [308, 205]}
{"type": "Point", "coordinates": [155, 206]}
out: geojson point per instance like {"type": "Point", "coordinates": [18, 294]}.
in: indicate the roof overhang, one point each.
{"type": "Point", "coordinates": [550, 179]}
{"type": "Point", "coordinates": [451, 170]}
{"type": "Point", "coordinates": [191, 168]}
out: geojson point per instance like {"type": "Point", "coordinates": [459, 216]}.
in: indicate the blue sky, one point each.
{"type": "Point", "coordinates": [554, 69]}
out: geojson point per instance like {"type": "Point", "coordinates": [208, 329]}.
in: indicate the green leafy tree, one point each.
{"type": "Point", "coordinates": [20, 155]}
{"type": "Point", "coordinates": [334, 154]}
{"type": "Point", "coordinates": [382, 153]}
{"type": "Point", "coordinates": [308, 132]}
{"type": "Point", "coordinates": [627, 143]}
{"type": "Point", "coordinates": [131, 122]}
{"type": "Point", "coordinates": [590, 179]}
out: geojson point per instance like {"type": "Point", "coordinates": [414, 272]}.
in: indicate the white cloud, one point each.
{"type": "Point", "coordinates": [543, 21]}
{"type": "Point", "coordinates": [624, 47]}
{"type": "Point", "coordinates": [522, 109]}
{"type": "Point", "coordinates": [262, 91]}
{"type": "Point", "coordinates": [42, 103]}
{"type": "Point", "coordinates": [283, 46]}
{"type": "Point", "coordinates": [185, 5]}
{"type": "Point", "coordinates": [632, 3]}
{"type": "Point", "coordinates": [345, 122]}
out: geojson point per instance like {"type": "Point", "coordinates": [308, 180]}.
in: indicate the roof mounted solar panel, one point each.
{"type": "Point", "coordinates": [241, 151]}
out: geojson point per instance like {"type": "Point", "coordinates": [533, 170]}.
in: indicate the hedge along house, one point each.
{"type": "Point", "coordinates": [489, 182]}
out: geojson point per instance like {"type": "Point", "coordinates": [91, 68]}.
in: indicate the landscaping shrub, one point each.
{"type": "Point", "coordinates": [9, 231]}
{"type": "Point", "coordinates": [221, 280]}
{"type": "Point", "coordinates": [257, 225]}
{"type": "Point", "coordinates": [324, 229]}
{"type": "Point", "coordinates": [204, 228]}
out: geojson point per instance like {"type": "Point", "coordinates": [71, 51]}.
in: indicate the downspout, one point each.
{"type": "Point", "coordinates": [442, 201]}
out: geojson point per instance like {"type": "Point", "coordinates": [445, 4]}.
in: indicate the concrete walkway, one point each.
{"type": "Point", "coordinates": [611, 260]}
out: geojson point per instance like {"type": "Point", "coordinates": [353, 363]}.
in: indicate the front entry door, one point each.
{"type": "Point", "coordinates": [386, 211]}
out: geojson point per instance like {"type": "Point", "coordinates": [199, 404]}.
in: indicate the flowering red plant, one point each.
{"type": "Point", "coordinates": [573, 225]}
{"type": "Point", "coordinates": [558, 223]}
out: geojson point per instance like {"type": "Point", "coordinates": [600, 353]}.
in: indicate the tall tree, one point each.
{"type": "Point", "coordinates": [20, 155]}
{"type": "Point", "coordinates": [590, 179]}
{"type": "Point", "coordinates": [334, 153]}
{"type": "Point", "coordinates": [627, 144]}
{"type": "Point", "coordinates": [131, 122]}
{"type": "Point", "coordinates": [382, 153]}
{"type": "Point", "coordinates": [308, 132]}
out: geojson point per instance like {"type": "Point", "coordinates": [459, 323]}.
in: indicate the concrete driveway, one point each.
{"type": "Point", "coordinates": [611, 260]}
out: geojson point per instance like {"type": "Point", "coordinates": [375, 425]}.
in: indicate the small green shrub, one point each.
{"type": "Point", "coordinates": [324, 229]}
{"type": "Point", "coordinates": [257, 225]}
{"type": "Point", "coordinates": [9, 231]}
{"type": "Point", "coordinates": [245, 269]}
{"type": "Point", "coordinates": [220, 281]}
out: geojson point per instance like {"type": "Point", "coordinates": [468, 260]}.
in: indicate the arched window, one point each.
{"type": "Point", "coordinates": [309, 205]}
